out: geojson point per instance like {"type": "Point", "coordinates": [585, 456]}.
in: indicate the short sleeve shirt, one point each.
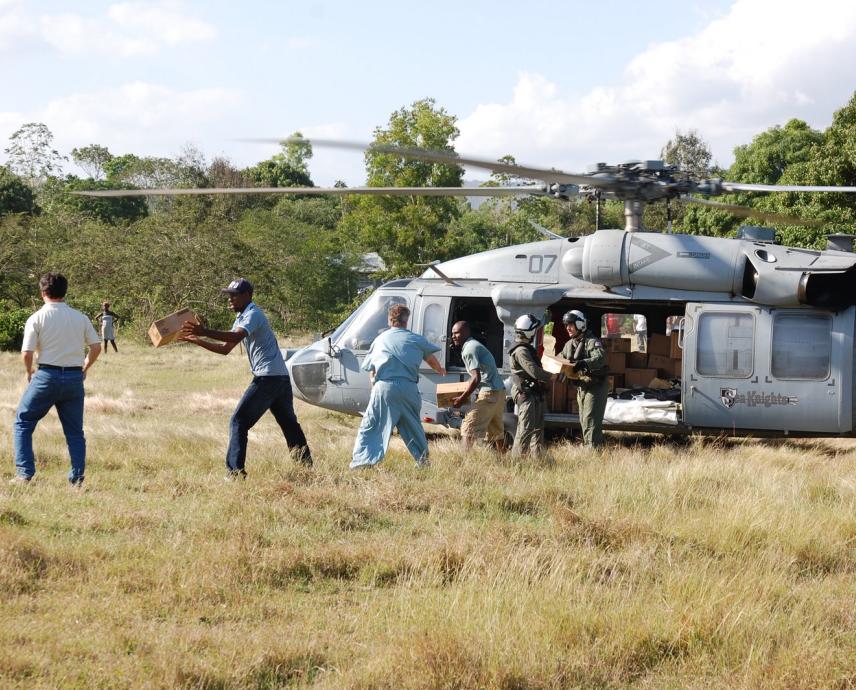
{"type": "Point", "coordinates": [59, 335]}
{"type": "Point", "coordinates": [477, 356]}
{"type": "Point", "coordinates": [262, 348]}
{"type": "Point", "coordinates": [395, 355]}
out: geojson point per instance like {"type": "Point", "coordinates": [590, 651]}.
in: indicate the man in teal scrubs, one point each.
{"type": "Point", "coordinates": [393, 364]}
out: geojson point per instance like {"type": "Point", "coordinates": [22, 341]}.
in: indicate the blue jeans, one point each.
{"type": "Point", "coordinates": [51, 388]}
{"type": "Point", "coordinates": [265, 393]}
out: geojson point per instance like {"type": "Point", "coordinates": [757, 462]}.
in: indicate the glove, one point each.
{"type": "Point", "coordinates": [578, 366]}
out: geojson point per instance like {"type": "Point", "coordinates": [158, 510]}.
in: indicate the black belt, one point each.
{"type": "Point", "coordinates": [56, 368]}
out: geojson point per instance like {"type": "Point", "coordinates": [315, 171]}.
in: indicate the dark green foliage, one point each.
{"type": "Point", "coordinates": [15, 195]}
{"type": "Point", "coordinates": [12, 328]}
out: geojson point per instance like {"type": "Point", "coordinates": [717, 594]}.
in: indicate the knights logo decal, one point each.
{"type": "Point", "coordinates": [728, 396]}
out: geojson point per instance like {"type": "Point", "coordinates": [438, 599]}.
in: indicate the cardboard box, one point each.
{"type": "Point", "coordinates": [557, 365]}
{"type": "Point", "coordinates": [617, 344]}
{"type": "Point", "coordinates": [447, 392]}
{"type": "Point", "coordinates": [166, 330]}
{"type": "Point", "coordinates": [558, 401]}
{"type": "Point", "coordinates": [659, 344]}
{"type": "Point", "coordinates": [616, 362]}
{"type": "Point", "coordinates": [615, 381]}
{"type": "Point", "coordinates": [637, 360]}
{"type": "Point", "coordinates": [677, 368]}
{"type": "Point", "coordinates": [662, 364]}
{"type": "Point", "coordinates": [639, 378]}
{"type": "Point", "coordinates": [675, 352]}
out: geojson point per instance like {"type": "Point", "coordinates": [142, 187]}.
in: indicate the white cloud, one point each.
{"type": "Point", "coordinates": [137, 117]}
{"type": "Point", "coordinates": [763, 63]}
{"type": "Point", "coordinates": [126, 29]}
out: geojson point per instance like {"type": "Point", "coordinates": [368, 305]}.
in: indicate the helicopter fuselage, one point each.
{"type": "Point", "coordinates": [766, 331]}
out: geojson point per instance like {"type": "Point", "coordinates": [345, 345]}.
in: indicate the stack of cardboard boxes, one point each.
{"type": "Point", "coordinates": [662, 360]}
{"type": "Point", "coordinates": [626, 369]}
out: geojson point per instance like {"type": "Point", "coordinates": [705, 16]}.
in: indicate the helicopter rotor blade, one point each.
{"type": "Point", "coordinates": [746, 187]}
{"type": "Point", "coordinates": [341, 191]}
{"type": "Point", "coordinates": [746, 212]}
{"type": "Point", "coordinates": [451, 158]}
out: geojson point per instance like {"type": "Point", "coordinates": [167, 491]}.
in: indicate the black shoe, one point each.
{"type": "Point", "coordinates": [235, 476]}
{"type": "Point", "coordinates": [77, 482]}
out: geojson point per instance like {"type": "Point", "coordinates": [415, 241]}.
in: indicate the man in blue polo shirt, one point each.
{"type": "Point", "coordinates": [271, 385]}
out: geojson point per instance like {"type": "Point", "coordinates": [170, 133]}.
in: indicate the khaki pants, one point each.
{"type": "Point", "coordinates": [484, 421]}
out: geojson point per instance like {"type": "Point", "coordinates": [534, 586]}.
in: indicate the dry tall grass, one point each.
{"type": "Point", "coordinates": [709, 564]}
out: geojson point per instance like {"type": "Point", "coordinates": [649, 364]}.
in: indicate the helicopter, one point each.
{"type": "Point", "coordinates": [762, 340]}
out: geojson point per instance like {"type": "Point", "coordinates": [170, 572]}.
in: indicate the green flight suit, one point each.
{"type": "Point", "coordinates": [593, 386]}
{"type": "Point", "coordinates": [528, 391]}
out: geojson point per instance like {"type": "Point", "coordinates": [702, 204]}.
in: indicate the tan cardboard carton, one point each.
{"type": "Point", "coordinates": [447, 392]}
{"type": "Point", "coordinates": [616, 362]}
{"type": "Point", "coordinates": [557, 365]}
{"type": "Point", "coordinates": [675, 352]}
{"type": "Point", "coordinates": [659, 344]}
{"type": "Point", "coordinates": [639, 378]}
{"type": "Point", "coordinates": [662, 364]}
{"type": "Point", "coordinates": [559, 396]}
{"type": "Point", "coordinates": [637, 360]}
{"type": "Point", "coordinates": [167, 330]}
{"type": "Point", "coordinates": [615, 381]}
{"type": "Point", "coordinates": [617, 344]}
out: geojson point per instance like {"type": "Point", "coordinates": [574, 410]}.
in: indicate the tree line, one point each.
{"type": "Point", "coordinates": [151, 256]}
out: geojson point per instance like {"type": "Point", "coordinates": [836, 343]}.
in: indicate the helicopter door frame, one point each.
{"type": "Point", "coordinates": [751, 367]}
{"type": "Point", "coordinates": [432, 321]}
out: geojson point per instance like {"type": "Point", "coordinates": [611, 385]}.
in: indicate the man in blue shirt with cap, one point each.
{"type": "Point", "coordinates": [271, 385]}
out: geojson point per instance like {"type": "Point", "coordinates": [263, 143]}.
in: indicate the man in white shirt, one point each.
{"type": "Point", "coordinates": [60, 336]}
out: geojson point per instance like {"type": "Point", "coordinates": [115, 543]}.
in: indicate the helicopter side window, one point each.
{"type": "Point", "coordinates": [802, 346]}
{"type": "Point", "coordinates": [369, 322]}
{"type": "Point", "coordinates": [726, 345]}
{"type": "Point", "coordinates": [434, 324]}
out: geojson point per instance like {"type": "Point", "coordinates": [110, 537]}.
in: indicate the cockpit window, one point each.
{"type": "Point", "coordinates": [369, 321]}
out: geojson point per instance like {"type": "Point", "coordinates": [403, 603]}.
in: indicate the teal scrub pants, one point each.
{"type": "Point", "coordinates": [391, 404]}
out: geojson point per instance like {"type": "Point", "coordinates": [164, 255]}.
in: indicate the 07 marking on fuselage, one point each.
{"type": "Point", "coordinates": [655, 253]}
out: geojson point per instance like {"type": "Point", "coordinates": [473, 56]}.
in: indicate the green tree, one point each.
{"type": "Point", "coordinates": [92, 159]}
{"type": "Point", "coordinates": [31, 153]}
{"type": "Point", "coordinates": [689, 152]}
{"type": "Point", "coordinates": [15, 195]}
{"type": "Point", "coordinates": [407, 230]}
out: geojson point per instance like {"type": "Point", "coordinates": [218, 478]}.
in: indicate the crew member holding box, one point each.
{"type": "Point", "coordinates": [484, 421]}
{"type": "Point", "coordinates": [529, 385]}
{"type": "Point", "coordinates": [271, 385]}
{"type": "Point", "coordinates": [588, 355]}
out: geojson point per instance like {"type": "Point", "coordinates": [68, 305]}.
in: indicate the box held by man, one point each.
{"type": "Point", "coordinates": [168, 329]}
{"type": "Point", "coordinates": [448, 392]}
{"type": "Point", "coordinates": [558, 365]}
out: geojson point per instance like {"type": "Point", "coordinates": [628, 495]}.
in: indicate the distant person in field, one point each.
{"type": "Point", "coordinates": [271, 385]}
{"type": "Point", "coordinates": [393, 364]}
{"type": "Point", "coordinates": [640, 326]}
{"type": "Point", "coordinates": [483, 422]}
{"type": "Point", "coordinates": [109, 323]}
{"type": "Point", "coordinates": [56, 337]}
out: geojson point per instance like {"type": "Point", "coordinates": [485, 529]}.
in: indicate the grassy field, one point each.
{"type": "Point", "coordinates": [708, 564]}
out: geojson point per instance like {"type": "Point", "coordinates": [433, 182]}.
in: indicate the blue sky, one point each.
{"type": "Point", "coordinates": [554, 84]}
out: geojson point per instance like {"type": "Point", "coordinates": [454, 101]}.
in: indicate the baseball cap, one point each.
{"type": "Point", "coordinates": [237, 286]}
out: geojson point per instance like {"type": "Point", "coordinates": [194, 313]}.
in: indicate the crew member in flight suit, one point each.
{"type": "Point", "coordinates": [528, 387]}
{"type": "Point", "coordinates": [585, 350]}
